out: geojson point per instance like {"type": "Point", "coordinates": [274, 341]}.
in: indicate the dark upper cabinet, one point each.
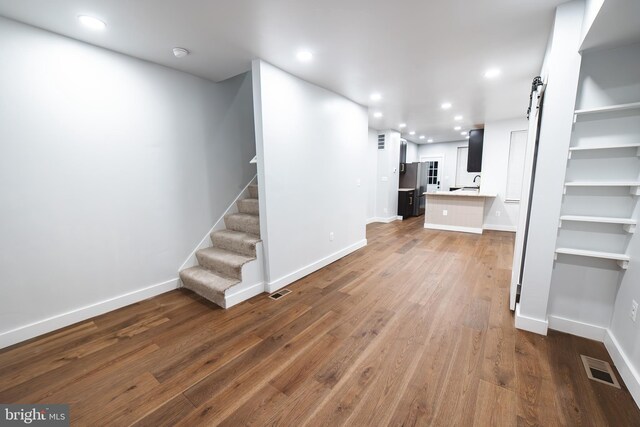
{"type": "Point", "coordinates": [474, 161]}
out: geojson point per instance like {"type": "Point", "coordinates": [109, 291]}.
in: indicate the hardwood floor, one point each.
{"type": "Point", "coordinates": [413, 329]}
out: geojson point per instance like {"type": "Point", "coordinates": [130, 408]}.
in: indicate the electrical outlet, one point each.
{"type": "Point", "coordinates": [331, 236]}
{"type": "Point", "coordinates": [384, 179]}
{"type": "Point", "coordinates": [498, 213]}
{"type": "Point", "coordinates": [445, 212]}
{"type": "Point", "coordinates": [634, 310]}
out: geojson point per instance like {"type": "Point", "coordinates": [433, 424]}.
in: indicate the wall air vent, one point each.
{"type": "Point", "coordinates": [599, 370]}
{"type": "Point", "coordinates": [279, 294]}
{"type": "Point", "coordinates": [381, 142]}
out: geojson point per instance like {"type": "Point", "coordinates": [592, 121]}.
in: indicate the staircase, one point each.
{"type": "Point", "coordinates": [220, 266]}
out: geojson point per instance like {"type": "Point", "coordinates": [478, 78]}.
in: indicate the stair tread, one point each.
{"type": "Point", "coordinates": [238, 235]}
{"type": "Point", "coordinates": [207, 279]}
{"type": "Point", "coordinates": [234, 259]}
{"type": "Point", "coordinates": [240, 214]}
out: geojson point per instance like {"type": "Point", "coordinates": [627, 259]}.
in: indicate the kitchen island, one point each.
{"type": "Point", "coordinates": [459, 210]}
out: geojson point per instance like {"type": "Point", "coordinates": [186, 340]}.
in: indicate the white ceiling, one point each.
{"type": "Point", "coordinates": [416, 53]}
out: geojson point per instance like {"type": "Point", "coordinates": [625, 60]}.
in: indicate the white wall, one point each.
{"type": "Point", "coordinates": [499, 214]}
{"type": "Point", "coordinates": [112, 169]}
{"type": "Point", "coordinates": [371, 182]}
{"type": "Point", "coordinates": [561, 66]}
{"type": "Point", "coordinates": [312, 150]}
{"type": "Point", "coordinates": [412, 152]}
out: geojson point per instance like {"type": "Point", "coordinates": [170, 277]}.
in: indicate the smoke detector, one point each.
{"type": "Point", "coordinates": [180, 52]}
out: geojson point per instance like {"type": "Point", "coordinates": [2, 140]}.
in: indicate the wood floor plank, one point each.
{"type": "Point", "coordinates": [414, 329]}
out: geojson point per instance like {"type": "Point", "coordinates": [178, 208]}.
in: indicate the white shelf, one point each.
{"type": "Point", "coordinates": [605, 147]}
{"type": "Point", "coordinates": [628, 223]}
{"type": "Point", "coordinates": [622, 259]}
{"type": "Point", "coordinates": [633, 185]}
{"type": "Point", "coordinates": [594, 112]}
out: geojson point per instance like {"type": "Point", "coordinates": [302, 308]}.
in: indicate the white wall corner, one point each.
{"type": "Point", "coordinates": [630, 375]}
{"type": "Point", "coordinates": [574, 327]}
{"type": "Point", "coordinates": [304, 271]}
{"type": "Point", "coordinates": [530, 324]}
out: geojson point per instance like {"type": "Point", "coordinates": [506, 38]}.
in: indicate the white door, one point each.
{"type": "Point", "coordinates": [523, 215]}
{"type": "Point", "coordinates": [433, 170]}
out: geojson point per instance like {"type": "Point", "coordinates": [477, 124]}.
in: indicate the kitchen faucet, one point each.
{"type": "Point", "coordinates": [474, 179]}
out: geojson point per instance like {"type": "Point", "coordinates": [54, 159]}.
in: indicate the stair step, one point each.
{"type": "Point", "coordinates": [237, 241]}
{"type": "Point", "coordinates": [207, 284]}
{"type": "Point", "coordinates": [249, 206]}
{"type": "Point", "coordinates": [222, 261]}
{"type": "Point", "coordinates": [253, 191]}
{"type": "Point", "coordinates": [243, 222]}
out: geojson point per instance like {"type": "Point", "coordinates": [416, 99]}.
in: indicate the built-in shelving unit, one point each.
{"type": "Point", "coordinates": [603, 112]}
{"type": "Point", "coordinates": [604, 147]}
{"type": "Point", "coordinates": [621, 259]}
{"type": "Point", "coordinates": [629, 224]}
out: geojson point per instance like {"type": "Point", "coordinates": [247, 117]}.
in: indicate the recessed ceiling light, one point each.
{"type": "Point", "coordinates": [402, 125]}
{"type": "Point", "coordinates": [421, 136]}
{"type": "Point", "coordinates": [492, 73]}
{"type": "Point", "coordinates": [457, 128]}
{"type": "Point", "coordinates": [304, 56]}
{"type": "Point", "coordinates": [430, 140]}
{"type": "Point", "coordinates": [375, 97]}
{"type": "Point", "coordinates": [463, 133]}
{"type": "Point", "coordinates": [377, 114]}
{"type": "Point", "coordinates": [446, 105]}
{"type": "Point", "coordinates": [457, 118]}
{"type": "Point", "coordinates": [412, 132]}
{"type": "Point", "coordinates": [91, 22]}
{"type": "Point", "coordinates": [180, 52]}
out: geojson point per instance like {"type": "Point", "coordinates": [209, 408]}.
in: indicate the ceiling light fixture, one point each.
{"type": "Point", "coordinates": [377, 114]}
{"type": "Point", "coordinates": [412, 133]}
{"type": "Point", "coordinates": [402, 125]}
{"type": "Point", "coordinates": [421, 136]}
{"type": "Point", "coordinates": [180, 52]}
{"type": "Point", "coordinates": [457, 118]}
{"type": "Point", "coordinates": [91, 22]}
{"type": "Point", "coordinates": [375, 97]}
{"type": "Point", "coordinates": [446, 105]}
{"type": "Point", "coordinates": [492, 73]}
{"type": "Point", "coordinates": [304, 56]}
{"type": "Point", "coordinates": [467, 136]}
{"type": "Point", "coordinates": [430, 140]}
{"type": "Point", "coordinates": [463, 133]}
{"type": "Point", "coordinates": [457, 128]}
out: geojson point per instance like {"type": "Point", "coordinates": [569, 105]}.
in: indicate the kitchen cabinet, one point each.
{"type": "Point", "coordinates": [474, 161]}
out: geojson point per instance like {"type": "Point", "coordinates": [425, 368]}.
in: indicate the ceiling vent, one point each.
{"type": "Point", "coordinates": [381, 142]}
{"type": "Point", "coordinates": [599, 370]}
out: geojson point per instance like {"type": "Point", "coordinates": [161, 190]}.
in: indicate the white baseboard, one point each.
{"type": "Point", "coordinates": [628, 372]}
{"type": "Point", "coordinates": [400, 218]}
{"type": "Point", "coordinates": [530, 324]}
{"type": "Point", "coordinates": [381, 219]}
{"type": "Point", "coordinates": [53, 323]}
{"type": "Point", "coordinates": [573, 327]}
{"type": "Point", "coordinates": [473, 230]}
{"type": "Point", "coordinates": [304, 271]}
{"type": "Point", "coordinates": [243, 295]}
{"type": "Point", "coordinates": [495, 227]}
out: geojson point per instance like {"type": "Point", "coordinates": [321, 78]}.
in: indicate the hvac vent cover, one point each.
{"type": "Point", "coordinates": [599, 370]}
{"type": "Point", "coordinates": [381, 142]}
{"type": "Point", "coordinates": [279, 294]}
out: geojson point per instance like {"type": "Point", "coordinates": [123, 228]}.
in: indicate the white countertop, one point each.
{"type": "Point", "coordinates": [460, 193]}
{"type": "Point", "coordinates": [406, 189]}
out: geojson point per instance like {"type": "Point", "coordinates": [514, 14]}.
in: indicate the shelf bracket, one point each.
{"type": "Point", "coordinates": [623, 264]}
{"type": "Point", "coordinates": [629, 228]}
{"type": "Point", "coordinates": [635, 190]}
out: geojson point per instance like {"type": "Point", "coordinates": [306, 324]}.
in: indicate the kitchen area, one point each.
{"type": "Point", "coordinates": [455, 208]}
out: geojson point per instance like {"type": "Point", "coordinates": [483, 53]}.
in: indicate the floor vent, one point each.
{"type": "Point", "coordinates": [599, 370]}
{"type": "Point", "coordinates": [279, 294]}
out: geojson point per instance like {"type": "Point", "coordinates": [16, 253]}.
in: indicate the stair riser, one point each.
{"type": "Point", "coordinates": [253, 191]}
{"type": "Point", "coordinates": [202, 290]}
{"type": "Point", "coordinates": [243, 248]}
{"type": "Point", "coordinates": [219, 267]}
{"type": "Point", "coordinates": [252, 227]}
{"type": "Point", "coordinates": [248, 206]}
